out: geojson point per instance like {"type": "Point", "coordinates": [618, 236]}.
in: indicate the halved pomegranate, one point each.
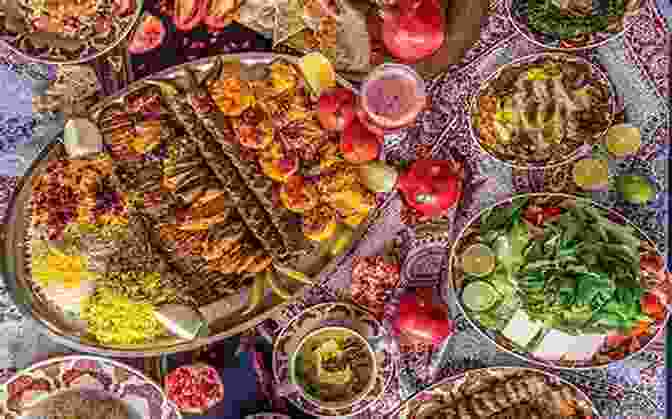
{"type": "Point", "coordinates": [195, 388]}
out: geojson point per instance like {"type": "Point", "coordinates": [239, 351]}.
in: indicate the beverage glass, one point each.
{"type": "Point", "coordinates": [391, 97]}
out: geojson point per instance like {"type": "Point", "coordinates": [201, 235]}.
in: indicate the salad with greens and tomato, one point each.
{"type": "Point", "coordinates": [559, 279]}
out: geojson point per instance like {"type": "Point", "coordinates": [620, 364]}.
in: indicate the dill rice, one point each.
{"type": "Point", "coordinates": [115, 319]}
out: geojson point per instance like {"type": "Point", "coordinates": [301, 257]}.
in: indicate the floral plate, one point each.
{"type": "Point", "coordinates": [93, 375]}
{"type": "Point", "coordinates": [441, 395]}
{"type": "Point", "coordinates": [333, 314]}
{"type": "Point", "coordinates": [615, 347]}
{"type": "Point", "coordinates": [503, 81]}
{"type": "Point", "coordinates": [518, 14]}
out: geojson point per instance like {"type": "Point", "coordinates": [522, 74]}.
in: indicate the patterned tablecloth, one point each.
{"type": "Point", "coordinates": [638, 64]}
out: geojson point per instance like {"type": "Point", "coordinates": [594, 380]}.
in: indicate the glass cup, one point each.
{"type": "Point", "coordinates": [391, 97]}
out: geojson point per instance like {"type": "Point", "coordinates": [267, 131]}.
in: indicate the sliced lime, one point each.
{"type": "Point", "coordinates": [478, 260]}
{"type": "Point", "coordinates": [479, 296]}
{"type": "Point", "coordinates": [635, 189]}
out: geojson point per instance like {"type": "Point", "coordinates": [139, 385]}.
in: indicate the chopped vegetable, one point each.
{"type": "Point", "coordinates": [116, 319]}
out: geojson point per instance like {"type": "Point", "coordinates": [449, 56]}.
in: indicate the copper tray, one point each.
{"type": "Point", "coordinates": [13, 257]}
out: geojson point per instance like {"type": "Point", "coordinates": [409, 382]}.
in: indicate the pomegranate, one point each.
{"type": "Point", "coordinates": [148, 36]}
{"type": "Point", "coordinates": [195, 388]}
{"type": "Point", "coordinates": [415, 29]}
{"type": "Point", "coordinates": [432, 186]}
{"type": "Point", "coordinates": [336, 109]}
{"type": "Point", "coordinates": [358, 144]}
{"type": "Point", "coordinates": [422, 321]}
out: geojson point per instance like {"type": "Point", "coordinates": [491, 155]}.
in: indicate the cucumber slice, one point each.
{"type": "Point", "coordinates": [479, 296]}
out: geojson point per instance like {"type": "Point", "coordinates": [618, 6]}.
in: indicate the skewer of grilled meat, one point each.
{"type": "Point", "coordinates": [218, 125]}
{"type": "Point", "coordinates": [246, 203]}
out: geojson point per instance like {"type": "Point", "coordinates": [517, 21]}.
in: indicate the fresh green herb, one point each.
{"type": "Point", "coordinates": [545, 17]}
{"type": "Point", "coordinates": [579, 275]}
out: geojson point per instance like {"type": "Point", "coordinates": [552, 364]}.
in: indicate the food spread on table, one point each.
{"type": "Point", "coordinates": [541, 111]}
{"type": "Point", "coordinates": [225, 187]}
{"type": "Point", "coordinates": [555, 277]}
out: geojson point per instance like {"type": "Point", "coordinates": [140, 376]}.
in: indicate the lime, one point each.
{"type": "Point", "coordinates": [623, 140]}
{"type": "Point", "coordinates": [479, 296]}
{"type": "Point", "coordinates": [318, 72]}
{"type": "Point", "coordinates": [591, 174]}
{"type": "Point", "coordinates": [478, 260]}
{"type": "Point", "coordinates": [635, 189]}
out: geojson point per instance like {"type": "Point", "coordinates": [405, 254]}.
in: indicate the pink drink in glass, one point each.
{"type": "Point", "coordinates": [392, 96]}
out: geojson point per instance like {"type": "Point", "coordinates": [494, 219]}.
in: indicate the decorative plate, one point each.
{"type": "Point", "coordinates": [97, 376]}
{"type": "Point", "coordinates": [518, 14]}
{"type": "Point", "coordinates": [333, 314]}
{"type": "Point", "coordinates": [447, 394]}
{"type": "Point", "coordinates": [615, 325]}
{"type": "Point", "coordinates": [591, 100]}
{"type": "Point", "coordinates": [181, 106]}
{"type": "Point", "coordinates": [98, 34]}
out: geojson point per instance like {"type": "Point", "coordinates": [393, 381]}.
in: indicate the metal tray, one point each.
{"type": "Point", "coordinates": [13, 256]}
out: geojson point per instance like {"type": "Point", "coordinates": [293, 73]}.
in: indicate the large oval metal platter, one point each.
{"type": "Point", "coordinates": [316, 263]}
{"type": "Point", "coordinates": [459, 395]}
{"type": "Point", "coordinates": [562, 302]}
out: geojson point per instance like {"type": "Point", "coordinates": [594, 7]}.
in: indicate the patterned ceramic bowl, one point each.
{"type": "Point", "coordinates": [334, 315]}
{"type": "Point", "coordinates": [508, 104]}
{"type": "Point", "coordinates": [316, 340]}
{"type": "Point", "coordinates": [518, 11]}
{"type": "Point", "coordinates": [93, 376]}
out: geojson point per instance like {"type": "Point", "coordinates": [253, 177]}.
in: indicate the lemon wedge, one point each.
{"type": "Point", "coordinates": [623, 140]}
{"type": "Point", "coordinates": [318, 72]}
{"type": "Point", "coordinates": [591, 174]}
